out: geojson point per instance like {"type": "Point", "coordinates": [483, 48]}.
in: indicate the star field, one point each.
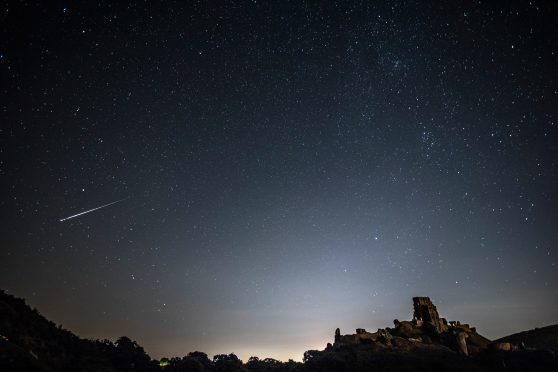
{"type": "Point", "coordinates": [288, 168]}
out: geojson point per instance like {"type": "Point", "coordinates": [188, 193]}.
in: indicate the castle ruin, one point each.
{"type": "Point", "coordinates": [426, 327]}
{"type": "Point", "coordinates": [426, 312]}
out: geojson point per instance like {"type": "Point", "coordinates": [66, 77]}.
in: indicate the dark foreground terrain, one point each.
{"type": "Point", "coordinates": [30, 342]}
{"type": "Point", "coordinates": [540, 338]}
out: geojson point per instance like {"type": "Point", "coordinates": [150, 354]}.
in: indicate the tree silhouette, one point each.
{"type": "Point", "coordinates": [226, 363]}
{"type": "Point", "coordinates": [129, 356]}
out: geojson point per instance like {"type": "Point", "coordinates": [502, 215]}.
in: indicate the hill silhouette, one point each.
{"type": "Point", "coordinates": [30, 342]}
{"type": "Point", "coordinates": [539, 338]}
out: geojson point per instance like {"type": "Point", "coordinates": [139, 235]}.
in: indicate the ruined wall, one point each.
{"type": "Point", "coordinates": [425, 311]}
{"type": "Point", "coordinates": [361, 336]}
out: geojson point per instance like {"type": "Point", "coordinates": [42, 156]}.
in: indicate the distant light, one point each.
{"type": "Point", "coordinates": [164, 363]}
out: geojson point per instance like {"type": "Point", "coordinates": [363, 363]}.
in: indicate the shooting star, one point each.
{"type": "Point", "coordinates": [91, 210]}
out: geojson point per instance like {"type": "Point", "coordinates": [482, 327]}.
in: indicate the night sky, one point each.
{"type": "Point", "coordinates": [281, 168]}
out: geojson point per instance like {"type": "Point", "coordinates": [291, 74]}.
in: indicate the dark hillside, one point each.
{"type": "Point", "coordinates": [31, 342]}
{"type": "Point", "coordinates": [539, 338]}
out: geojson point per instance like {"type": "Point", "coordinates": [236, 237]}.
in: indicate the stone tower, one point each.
{"type": "Point", "coordinates": [425, 310]}
{"type": "Point", "coordinates": [337, 335]}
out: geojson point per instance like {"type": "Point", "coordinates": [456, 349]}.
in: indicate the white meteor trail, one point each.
{"type": "Point", "coordinates": [91, 210]}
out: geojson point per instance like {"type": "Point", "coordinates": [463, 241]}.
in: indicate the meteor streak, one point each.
{"type": "Point", "coordinates": [91, 210]}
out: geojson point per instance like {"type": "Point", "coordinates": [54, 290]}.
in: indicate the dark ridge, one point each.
{"type": "Point", "coordinates": [30, 342]}
{"type": "Point", "coordinates": [539, 338]}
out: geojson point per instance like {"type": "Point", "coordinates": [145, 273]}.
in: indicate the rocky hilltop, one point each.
{"type": "Point", "coordinates": [427, 342]}
{"type": "Point", "coordinates": [426, 328]}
